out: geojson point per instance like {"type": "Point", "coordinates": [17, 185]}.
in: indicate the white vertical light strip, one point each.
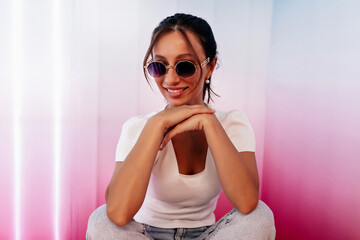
{"type": "Point", "coordinates": [57, 91]}
{"type": "Point", "coordinates": [17, 76]}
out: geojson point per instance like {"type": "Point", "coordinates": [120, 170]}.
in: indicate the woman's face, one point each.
{"type": "Point", "coordinates": [170, 49]}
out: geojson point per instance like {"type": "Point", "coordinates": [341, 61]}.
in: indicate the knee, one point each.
{"type": "Point", "coordinates": [101, 227]}
{"type": "Point", "coordinates": [98, 221]}
{"type": "Point", "coordinates": [263, 216]}
{"type": "Point", "coordinates": [260, 222]}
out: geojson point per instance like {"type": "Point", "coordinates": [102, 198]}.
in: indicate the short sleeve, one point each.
{"type": "Point", "coordinates": [239, 130]}
{"type": "Point", "coordinates": [129, 135]}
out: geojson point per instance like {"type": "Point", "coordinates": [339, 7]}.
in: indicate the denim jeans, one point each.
{"type": "Point", "coordinates": [259, 224]}
{"type": "Point", "coordinates": [174, 233]}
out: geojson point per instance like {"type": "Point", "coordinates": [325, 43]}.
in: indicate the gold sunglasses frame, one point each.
{"type": "Point", "coordinates": [167, 67]}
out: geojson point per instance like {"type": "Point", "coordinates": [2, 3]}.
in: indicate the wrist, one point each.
{"type": "Point", "coordinates": [208, 121]}
{"type": "Point", "coordinates": [157, 122]}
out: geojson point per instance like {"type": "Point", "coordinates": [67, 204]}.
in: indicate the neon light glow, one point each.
{"type": "Point", "coordinates": [17, 75]}
{"type": "Point", "coordinates": [57, 89]}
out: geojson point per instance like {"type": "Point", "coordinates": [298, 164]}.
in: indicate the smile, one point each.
{"type": "Point", "coordinates": [175, 92]}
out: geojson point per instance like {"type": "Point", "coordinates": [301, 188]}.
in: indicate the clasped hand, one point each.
{"type": "Point", "coordinates": [182, 119]}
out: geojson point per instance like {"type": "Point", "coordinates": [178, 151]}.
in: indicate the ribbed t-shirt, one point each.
{"type": "Point", "coordinates": [175, 200]}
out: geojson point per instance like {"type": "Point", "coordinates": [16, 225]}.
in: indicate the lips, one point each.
{"type": "Point", "coordinates": [175, 92]}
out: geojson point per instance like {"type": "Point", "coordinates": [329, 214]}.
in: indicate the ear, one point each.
{"type": "Point", "coordinates": [211, 67]}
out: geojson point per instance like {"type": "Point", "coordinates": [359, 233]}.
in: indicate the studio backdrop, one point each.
{"type": "Point", "coordinates": [71, 75]}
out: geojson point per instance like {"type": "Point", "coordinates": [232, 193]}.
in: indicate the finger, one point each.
{"type": "Point", "coordinates": [187, 125]}
{"type": "Point", "coordinates": [169, 135]}
{"type": "Point", "coordinates": [191, 110]}
{"type": "Point", "coordinates": [179, 114]}
{"type": "Point", "coordinates": [200, 108]}
{"type": "Point", "coordinates": [167, 138]}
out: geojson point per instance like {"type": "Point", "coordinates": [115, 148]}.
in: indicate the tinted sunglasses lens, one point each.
{"type": "Point", "coordinates": [185, 69]}
{"type": "Point", "coordinates": [156, 69]}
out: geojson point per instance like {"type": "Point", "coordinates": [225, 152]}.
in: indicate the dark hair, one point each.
{"type": "Point", "coordinates": [185, 22]}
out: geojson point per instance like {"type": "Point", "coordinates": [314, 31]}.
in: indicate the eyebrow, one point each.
{"type": "Point", "coordinates": [177, 57]}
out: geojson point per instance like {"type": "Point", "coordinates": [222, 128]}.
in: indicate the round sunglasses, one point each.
{"type": "Point", "coordinates": [183, 68]}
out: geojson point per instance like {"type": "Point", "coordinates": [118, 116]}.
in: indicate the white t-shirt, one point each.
{"type": "Point", "coordinates": [175, 200]}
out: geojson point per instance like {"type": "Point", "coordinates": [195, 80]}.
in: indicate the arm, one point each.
{"type": "Point", "coordinates": [127, 188]}
{"type": "Point", "coordinates": [237, 171]}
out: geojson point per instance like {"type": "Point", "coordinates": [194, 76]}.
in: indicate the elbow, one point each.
{"type": "Point", "coordinates": [119, 218]}
{"type": "Point", "coordinates": [247, 209]}
{"type": "Point", "coordinates": [248, 206]}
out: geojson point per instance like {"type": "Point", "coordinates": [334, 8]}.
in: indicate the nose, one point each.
{"type": "Point", "coordinates": [171, 78]}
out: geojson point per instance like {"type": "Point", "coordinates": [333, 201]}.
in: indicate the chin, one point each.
{"type": "Point", "coordinates": [177, 102]}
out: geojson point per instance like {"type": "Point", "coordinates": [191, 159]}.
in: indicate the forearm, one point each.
{"type": "Point", "coordinates": [239, 183]}
{"type": "Point", "coordinates": [127, 189]}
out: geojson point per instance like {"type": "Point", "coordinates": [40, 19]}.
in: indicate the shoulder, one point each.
{"type": "Point", "coordinates": [136, 122]}
{"type": "Point", "coordinates": [130, 132]}
{"type": "Point", "coordinates": [231, 117]}
{"type": "Point", "coordinates": [238, 128]}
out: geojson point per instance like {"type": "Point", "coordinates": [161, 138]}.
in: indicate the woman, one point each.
{"type": "Point", "coordinates": [172, 165]}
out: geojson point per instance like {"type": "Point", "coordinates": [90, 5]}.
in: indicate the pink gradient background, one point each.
{"type": "Point", "coordinates": [311, 167]}
{"type": "Point", "coordinates": [292, 67]}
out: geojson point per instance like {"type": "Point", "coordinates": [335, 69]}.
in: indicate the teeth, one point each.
{"type": "Point", "coordinates": [175, 91]}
